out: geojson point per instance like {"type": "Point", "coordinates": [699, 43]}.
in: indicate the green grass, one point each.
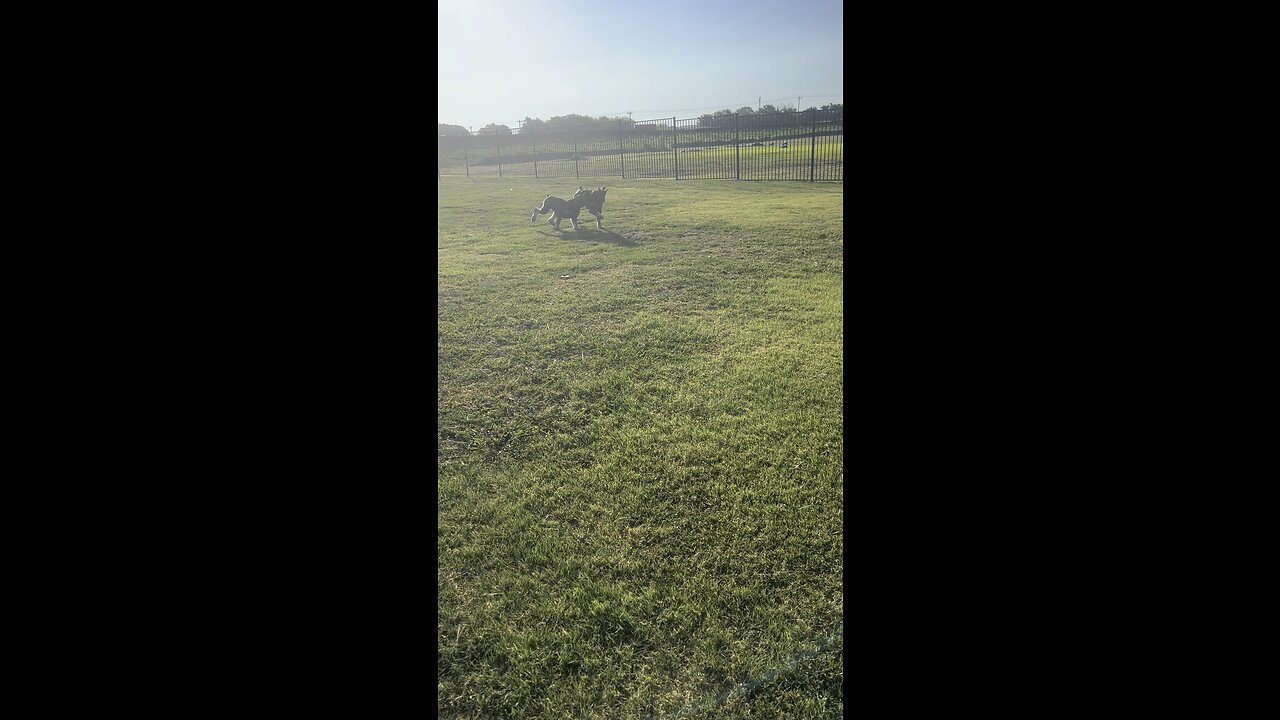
{"type": "Point", "coordinates": [639, 454]}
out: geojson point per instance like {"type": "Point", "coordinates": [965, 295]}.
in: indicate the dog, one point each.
{"type": "Point", "coordinates": [594, 203]}
{"type": "Point", "coordinates": [561, 209]}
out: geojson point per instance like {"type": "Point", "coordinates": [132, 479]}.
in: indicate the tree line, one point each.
{"type": "Point", "coordinates": [559, 122]}
{"type": "Point", "coordinates": [710, 119]}
{"type": "Point", "coordinates": [566, 122]}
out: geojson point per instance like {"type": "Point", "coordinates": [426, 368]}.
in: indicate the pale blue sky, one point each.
{"type": "Point", "coordinates": [501, 60]}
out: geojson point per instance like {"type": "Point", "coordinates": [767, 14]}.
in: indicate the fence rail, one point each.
{"type": "Point", "coordinates": [805, 145]}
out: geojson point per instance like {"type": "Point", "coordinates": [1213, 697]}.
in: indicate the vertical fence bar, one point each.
{"type": "Point", "coordinates": [533, 145]}
{"type": "Point", "coordinates": [465, 160]}
{"type": "Point", "coordinates": [813, 143]}
{"type": "Point", "coordinates": [675, 140]}
{"type": "Point", "coordinates": [779, 129]}
{"type": "Point", "coordinates": [792, 145]}
{"type": "Point", "coordinates": [737, 159]}
{"type": "Point", "coordinates": [825, 148]}
{"type": "Point", "coordinates": [621, 158]}
{"type": "Point", "coordinates": [575, 152]}
{"type": "Point", "coordinates": [497, 145]}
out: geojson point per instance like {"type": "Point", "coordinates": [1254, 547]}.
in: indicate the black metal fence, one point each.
{"type": "Point", "coordinates": [806, 145]}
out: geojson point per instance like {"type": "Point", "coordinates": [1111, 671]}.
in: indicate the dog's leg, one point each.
{"type": "Point", "coordinates": [574, 222]}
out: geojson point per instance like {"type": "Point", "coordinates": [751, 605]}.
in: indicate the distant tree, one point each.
{"type": "Point", "coordinates": [532, 125]}
{"type": "Point", "coordinates": [605, 120]}
{"type": "Point", "coordinates": [451, 130]}
{"type": "Point", "coordinates": [496, 129]}
{"type": "Point", "coordinates": [722, 118]}
{"type": "Point", "coordinates": [768, 109]}
{"type": "Point", "coordinates": [746, 110]}
{"type": "Point", "coordinates": [570, 120]}
{"type": "Point", "coordinates": [705, 120]}
{"type": "Point", "coordinates": [839, 107]}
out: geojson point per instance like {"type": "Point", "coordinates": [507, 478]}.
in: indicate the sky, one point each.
{"type": "Point", "coordinates": [503, 60]}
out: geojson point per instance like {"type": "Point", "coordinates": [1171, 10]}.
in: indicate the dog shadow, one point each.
{"type": "Point", "coordinates": [604, 236]}
{"type": "Point", "coordinates": [591, 235]}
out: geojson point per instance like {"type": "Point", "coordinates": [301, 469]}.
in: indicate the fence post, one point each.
{"type": "Point", "coordinates": [497, 144]}
{"type": "Point", "coordinates": [465, 160]}
{"type": "Point", "coordinates": [621, 158]}
{"type": "Point", "coordinates": [575, 152]}
{"type": "Point", "coordinates": [675, 140]}
{"type": "Point", "coordinates": [737, 159]}
{"type": "Point", "coordinates": [813, 142]}
{"type": "Point", "coordinates": [534, 145]}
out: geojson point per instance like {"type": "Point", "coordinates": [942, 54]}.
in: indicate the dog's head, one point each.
{"type": "Point", "coordinates": [593, 198]}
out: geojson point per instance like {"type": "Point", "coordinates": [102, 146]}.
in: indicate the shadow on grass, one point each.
{"type": "Point", "coordinates": [604, 236]}
{"type": "Point", "coordinates": [591, 235]}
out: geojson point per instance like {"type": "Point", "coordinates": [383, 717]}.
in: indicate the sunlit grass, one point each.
{"type": "Point", "coordinates": [639, 454]}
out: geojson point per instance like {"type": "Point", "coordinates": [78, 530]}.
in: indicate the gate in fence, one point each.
{"type": "Point", "coordinates": [805, 145]}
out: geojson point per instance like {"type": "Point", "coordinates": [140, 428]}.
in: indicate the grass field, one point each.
{"type": "Point", "coordinates": [639, 454]}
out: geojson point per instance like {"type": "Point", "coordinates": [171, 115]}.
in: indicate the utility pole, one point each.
{"type": "Point", "coordinates": [758, 99]}
{"type": "Point", "coordinates": [628, 114]}
{"type": "Point", "coordinates": [797, 102]}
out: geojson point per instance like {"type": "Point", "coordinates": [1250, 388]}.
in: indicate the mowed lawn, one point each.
{"type": "Point", "coordinates": [639, 452]}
